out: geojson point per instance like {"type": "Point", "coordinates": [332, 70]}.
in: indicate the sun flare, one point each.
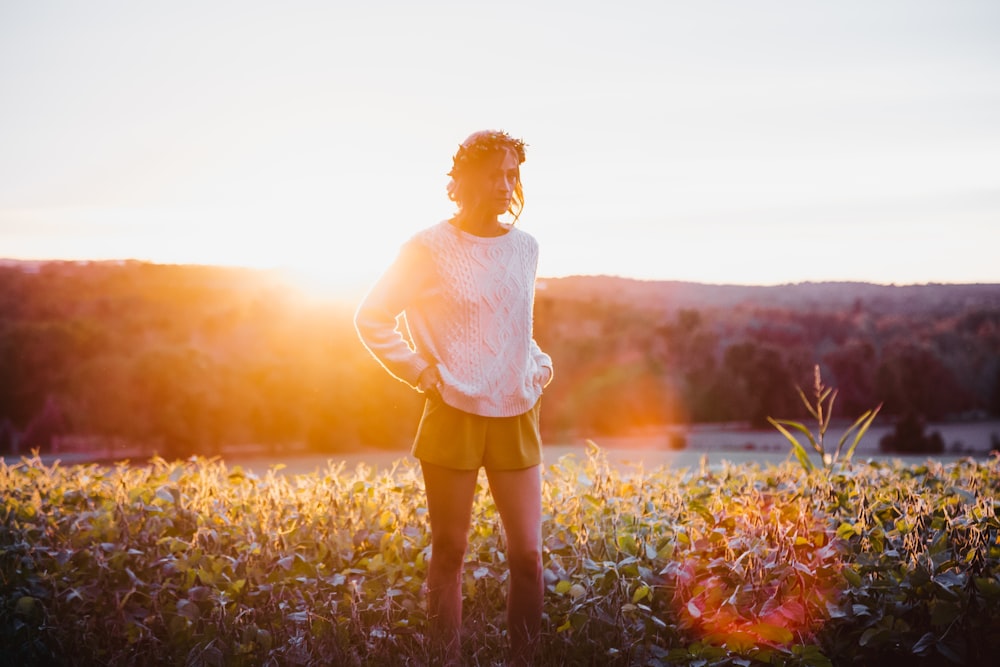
{"type": "Point", "coordinates": [319, 283]}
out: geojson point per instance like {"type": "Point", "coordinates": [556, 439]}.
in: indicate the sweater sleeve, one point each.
{"type": "Point", "coordinates": [542, 360]}
{"type": "Point", "coordinates": [376, 319]}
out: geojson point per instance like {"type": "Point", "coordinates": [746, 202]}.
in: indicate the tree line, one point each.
{"type": "Point", "coordinates": [189, 359]}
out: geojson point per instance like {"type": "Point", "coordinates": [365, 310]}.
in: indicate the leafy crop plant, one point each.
{"type": "Point", "coordinates": [197, 563]}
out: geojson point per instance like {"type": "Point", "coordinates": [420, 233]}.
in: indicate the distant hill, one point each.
{"type": "Point", "coordinates": [667, 296]}
{"type": "Point", "coordinates": [932, 299]}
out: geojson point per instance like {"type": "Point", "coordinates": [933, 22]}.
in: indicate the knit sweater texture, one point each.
{"type": "Point", "coordinates": [464, 303]}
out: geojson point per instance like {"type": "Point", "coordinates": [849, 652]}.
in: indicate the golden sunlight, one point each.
{"type": "Point", "coordinates": [324, 283]}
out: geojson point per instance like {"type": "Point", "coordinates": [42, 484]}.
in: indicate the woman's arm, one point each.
{"type": "Point", "coordinates": [376, 318]}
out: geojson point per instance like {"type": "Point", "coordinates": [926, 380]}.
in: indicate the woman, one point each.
{"type": "Point", "coordinates": [465, 288]}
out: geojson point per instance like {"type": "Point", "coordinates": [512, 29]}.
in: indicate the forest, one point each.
{"type": "Point", "coordinates": [181, 360]}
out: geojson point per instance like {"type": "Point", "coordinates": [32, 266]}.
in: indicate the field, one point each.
{"type": "Point", "coordinates": [623, 458]}
{"type": "Point", "coordinates": [204, 563]}
{"type": "Point", "coordinates": [717, 444]}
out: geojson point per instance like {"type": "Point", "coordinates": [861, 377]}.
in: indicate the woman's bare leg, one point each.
{"type": "Point", "coordinates": [518, 497]}
{"type": "Point", "coordinates": [449, 503]}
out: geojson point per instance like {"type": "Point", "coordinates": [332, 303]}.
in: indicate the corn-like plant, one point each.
{"type": "Point", "coordinates": [821, 409]}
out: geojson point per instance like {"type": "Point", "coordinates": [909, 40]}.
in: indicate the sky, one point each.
{"type": "Point", "coordinates": [761, 142]}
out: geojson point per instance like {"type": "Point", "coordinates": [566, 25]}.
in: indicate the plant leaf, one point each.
{"type": "Point", "coordinates": [800, 452]}
{"type": "Point", "coordinates": [773, 633]}
{"type": "Point", "coordinates": [924, 644]}
{"type": "Point", "coordinates": [862, 424]}
{"type": "Point", "coordinates": [829, 411]}
{"type": "Point", "coordinates": [805, 402]}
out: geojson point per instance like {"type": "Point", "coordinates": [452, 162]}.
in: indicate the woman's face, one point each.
{"type": "Point", "coordinates": [490, 188]}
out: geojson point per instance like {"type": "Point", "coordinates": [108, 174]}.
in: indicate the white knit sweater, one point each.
{"type": "Point", "coordinates": [466, 305]}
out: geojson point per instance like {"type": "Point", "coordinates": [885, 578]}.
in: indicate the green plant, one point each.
{"type": "Point", "coordinates": [198, 563]}
{"type": "Point", "coordinates": [822, 413]}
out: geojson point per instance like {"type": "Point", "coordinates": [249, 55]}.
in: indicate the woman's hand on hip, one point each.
{"type": "Point", "coordinates": [430, 381]}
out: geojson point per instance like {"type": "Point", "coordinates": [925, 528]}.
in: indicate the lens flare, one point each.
{"type": "Point", "coordinates": [771, 584]}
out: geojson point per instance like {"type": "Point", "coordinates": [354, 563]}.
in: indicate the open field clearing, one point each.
{"type": "Point", "coordinates": [735, 444]}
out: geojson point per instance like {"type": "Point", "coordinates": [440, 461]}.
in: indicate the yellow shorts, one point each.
{"type": "Point", "coordinates": [456, 439]}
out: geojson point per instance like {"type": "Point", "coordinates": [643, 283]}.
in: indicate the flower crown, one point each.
{"type": "Point", "coordinates": [481, 144]}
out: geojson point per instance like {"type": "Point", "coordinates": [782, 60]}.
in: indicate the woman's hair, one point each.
{"type": "Point", "coordinates": [470, 156]}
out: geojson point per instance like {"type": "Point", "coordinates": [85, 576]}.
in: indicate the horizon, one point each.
{"type": "Point", "coordinates": [805, 142]}
{"type": "Point", "coordinates": [302, 282]}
